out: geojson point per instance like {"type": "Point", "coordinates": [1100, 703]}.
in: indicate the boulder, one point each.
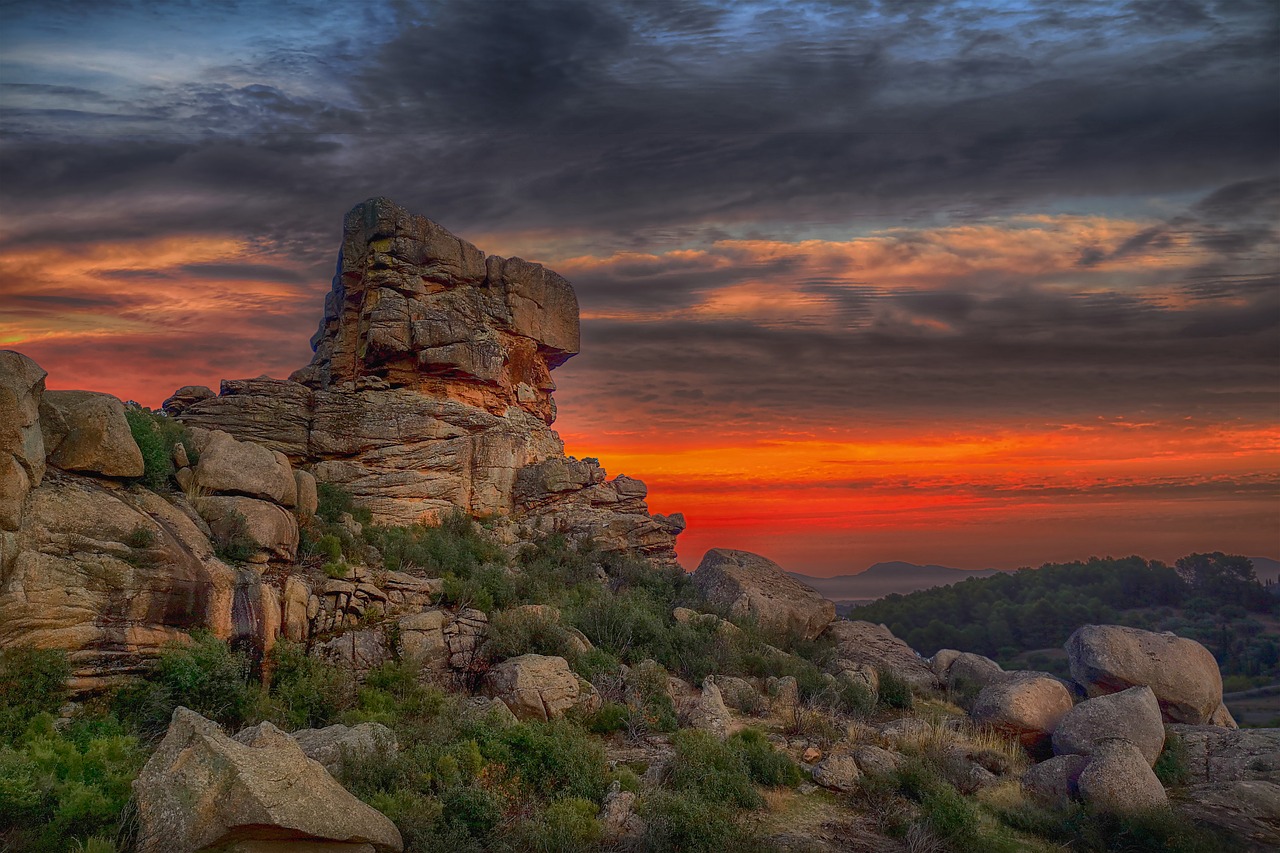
{"type": "Point", "coordinates": [538, 687]}
{"type": "Point", "coordinates": [618, 819]}
{"type": "Point", "coordinates": [1118, 779]}
{"type": "Point", "coordinates": [748, 585]}
{"type": "Point", "coordinates": [1054, 781]}
{"type": "Point", "coordinates": [1229, 755]}
{"type": "Point", "coordinates": [709, 713]}
{"type": "Point", "coordinates": [838, 772]}
{"type": "Point", "coordinates": [333, 746]}
{"type": "Point", "coordinates": [357, 651]}
{"type": "Point", "coordinates": [422, 639]}
{"type": "Point", "coordinates": [243, 468]}
{"type": "Point", "coordinates": [969, 673]}
{"type": "Point", "coordinates": [308, 493]}
{"type": "Point", "coordinates": [295, 623]}
{"type": "Point", "coordinates": [875, 760]}
{"type": "Point", "coordinates": [1247, 809]}
{"type": "Point", "coordinates": [201, 790]}
{"type": "Point", "coordinates": [1181, 673]}
{"type": "Point", "coordinates": [86, 432]}
{"type": "Point", "coordinates": [877, 647]}
{"type": "Point", "coordinates": [184, 397]}
{"type": "Point", "coordinates": [1132, 715]}
{"type": "Point", "coordinates": [22, 452]}
{"type": "Point", "coordinates": [1027, 705]}
{"type": "Point", "coordinates": [273, 530]}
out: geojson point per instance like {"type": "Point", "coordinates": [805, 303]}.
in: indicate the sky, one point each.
{"type": "Point", "coordinates": [976, 284]}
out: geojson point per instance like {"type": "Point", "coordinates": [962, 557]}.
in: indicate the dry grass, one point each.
{"type": "Point", "coordinates": [944, 734]}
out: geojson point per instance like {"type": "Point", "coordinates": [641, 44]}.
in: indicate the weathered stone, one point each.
{"type": "Point", "coordinates": [1132, 715]}
{"type": "Point", "coordinates": [243, 468]}
{"type": "Point", "coordinates": [838, 772]}
{"type": "Point", "coordinates": [358, 651]}
{"type": "Point", "coordinates": [748, 585]}
{"type": "Point", "coordinates": [201, 790]}
{"type": "Point", "coordinates": [110, 575]}
{"type": "Point", "coordinates": [1182, 673]}
{"type": "Point", "coordinates": [185, 396]}
{"type": "Point", "coordinates": [86, 432]}
{"type": "Point", "coordinates": [1247, 809]}
{"type": "Point", "coordinates": [22, 451]}
{"type": "Point", "coordinates": [1228, 755]}
{"type": "Point", "coordinates": [709, 713]}
{"type": "Point", "coordinates": [1054, 781]}
{"type": "Point", "coordinates": [877, 647]}
{"type": "Point", "coordinates": [294, 620]}
{"type": "Point", "coordinates": [618, 818]}
{"type": "Point", "coordinates": [969, 673]}
{"type": "Point", "coordinates": [271, 528]}
{"type": "Point", "coordinates": [1027, 705]}
{"type": "Point", "coordinates": [875, 760]}
{"type": "Point", "coordinates": [1119, 779]}
{"type": "Point", "coordinates": [333, 746]}
{"type": "Point", "coordinates": [308, 494]}
{"type": "Point", "coordinates": [537, 687]}
{"type": "Point", "coordinates": [905, 729]}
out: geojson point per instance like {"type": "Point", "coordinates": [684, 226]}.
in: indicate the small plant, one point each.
{"type": "Point", "coordinates": [1172, 766]}
{"type": "Point", "coordinates": [232, 541]}
{"type": "Point", "coordinates": [894, 692]}
{"type": "Point", "coordinates": [140, 537]}
{"type": "Point", "coordinates": [336, 569]}
{"type": "Point", "coordinates": [32, 682]}
{"type": "Point", "coordinates": [156, 434]}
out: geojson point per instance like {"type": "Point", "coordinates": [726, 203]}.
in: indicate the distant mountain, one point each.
{"type": "Point", "coordinates": [1266, 568]}
{"type": "Point", "coordinates": [885, 578]}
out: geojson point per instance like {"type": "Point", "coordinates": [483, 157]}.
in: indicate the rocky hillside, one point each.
{"type": "Point", "coordinates": [373, 607]}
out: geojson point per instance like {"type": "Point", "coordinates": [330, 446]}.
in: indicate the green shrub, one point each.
{"type": "Point", "coordinates": [487, 588]}
{"type": "Point", "coordinates": [894, 692]}
{"type": "Point", "coordinates": [329, 545]}
{"type": "Point", "coordinates": [856, 699]}
{"type": "Point", "coordinates": [711, 768]}
{"type": "Point", "coordinates": [140, 537]}
{"type": "Point", "coordinates": [156, 434]}
{"type": "Point", "coordinates": [1172, 766]}
{"type": "Point", "coordinates": [556, 758]}
{"type": "Point", "coordinates": [32, 682]}
{"type": "Point", "coordinates": [687, 822]}
{"type": "Point", "coordinates": [456, 546]}
{"type": "Point", "coordinates": [517, 632]}
{"type": "Point", "coordinates": [205, 675]}
{"type": "Point", "coordinates": [333, 500]}
{"type": "Point", "coordinates": [564, 826]}
{"type": "Point", "coordinates": [766, 765]}
{"type": "Point", "coordinates": [651, 704]}
{"type": "Point", "coordinates": [336, 569]}
{"type": "Point", "coordinates": [611, 717]}
{"type": "Point", "coordinates": [305, 692]}
{"type": "Point", "coordinates": [54, 791]}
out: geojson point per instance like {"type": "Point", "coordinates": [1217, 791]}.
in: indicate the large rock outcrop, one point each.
{"type": "Point", "coordinates": [21, 443]}
{"type": "Point", "coordinates": [876, 646]}
{"type": "Point", "coordinates": [751, 586]}
{"type": "Point", "coordinates": [1182, 673]}
{"type": "Point", "coordinates": [87, 432]}
{"type": "Point", "coordinates": [430, 390]}
{"type": "Point", "coordinates": [201, 790]}
{"type": "Point", "coordinates": [1027, 705]}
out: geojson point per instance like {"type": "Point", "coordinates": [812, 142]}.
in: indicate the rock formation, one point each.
{"type": "Point", "coordinates": [748, 585]}
{"type": "Point", "coordinates": [430, 390]}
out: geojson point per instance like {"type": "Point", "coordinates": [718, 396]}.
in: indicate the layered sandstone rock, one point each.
{"type": "Point", "coordinates": [430, 390]}
{"type": "Point", "coordinates": [748, 585]}
{"type": "Point", "coordinates": [21, 444]}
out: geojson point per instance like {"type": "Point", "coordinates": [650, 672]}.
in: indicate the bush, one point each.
{"type": "Point", "coordinates": [611, 717]}
{"type": "Point", "coordinates": [32, 682]}
{"type": "Point", "coordinates": [518, 632]}
{"type": "Point", "coordinates": [704, 765]}
{"type": "Point", "coordinates": [205, 675]}
{"type": "Point", "coordinates": [55, 792]}
{"type": "Point", "coordinates": [1172, 767]}
{"type": "Point", "coordinates": [305, 692]}
{"type": "Point", "coordinates": [765, 765]}
{"type": "Point", "coordinates": [689, 823]}
{"type": "Point", "coordinates": [456, 546]}
{"type": "Point", "coordinates": [555, 758]}
{"type": "Point", "coordinates": [894, 692]}
{"type": "Point", "coordinates": [156, 434]}
{"type": "Point", "coordinates": [563, 826]}
{"type": "Point", "coordinates": [232, 541]}
{"type": "Point", "coordinates": [333, 500]}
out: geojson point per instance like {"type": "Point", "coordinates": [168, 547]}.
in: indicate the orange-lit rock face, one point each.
{"type": "Point", "coordinates": [417, 307]}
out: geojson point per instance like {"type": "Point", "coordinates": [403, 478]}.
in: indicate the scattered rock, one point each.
{"type": "Point", "coordinates": [202, 790]}
{"type": "Point", "coordinates": [1182, 673]}
{"type": "Point", "coordinates": [874, 760]}
{"type": "Point", "coordinates": [1055, 780]}
{"type": "Point", "coordinates": [709, 713]}
{"type": "Point", "coordinates": [1027, 705]}
{"type": "Point", "coordinates": [332, 746]}
{"type": "Point", "coordinates": [1132, 715]}
{"type": "Point", "coordinates": [618, 818]}
{"type": "Point", "coordinates": [86, 432]}
{"type": "Point", "coordinates": [877, 647]}
{"type": "Point", "coordinates": [357, 651]}
{"type": "Point", "coordinates": [538, 687]}
{"type": "Point", "coordinates": [905, 728]}
{"type": "Point", "coordinates": [748, 585]}
{"type": "Point", "coordinates": [838, 772]}
{"type": "Point", "coordinates": [1118, 779]}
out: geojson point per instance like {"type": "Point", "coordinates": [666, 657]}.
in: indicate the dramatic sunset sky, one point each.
{"type": "Point", "coordinates": [979, 284]}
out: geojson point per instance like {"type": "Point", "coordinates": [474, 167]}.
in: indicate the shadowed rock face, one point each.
{"type": "Point", "coordinates": [430, 390]}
